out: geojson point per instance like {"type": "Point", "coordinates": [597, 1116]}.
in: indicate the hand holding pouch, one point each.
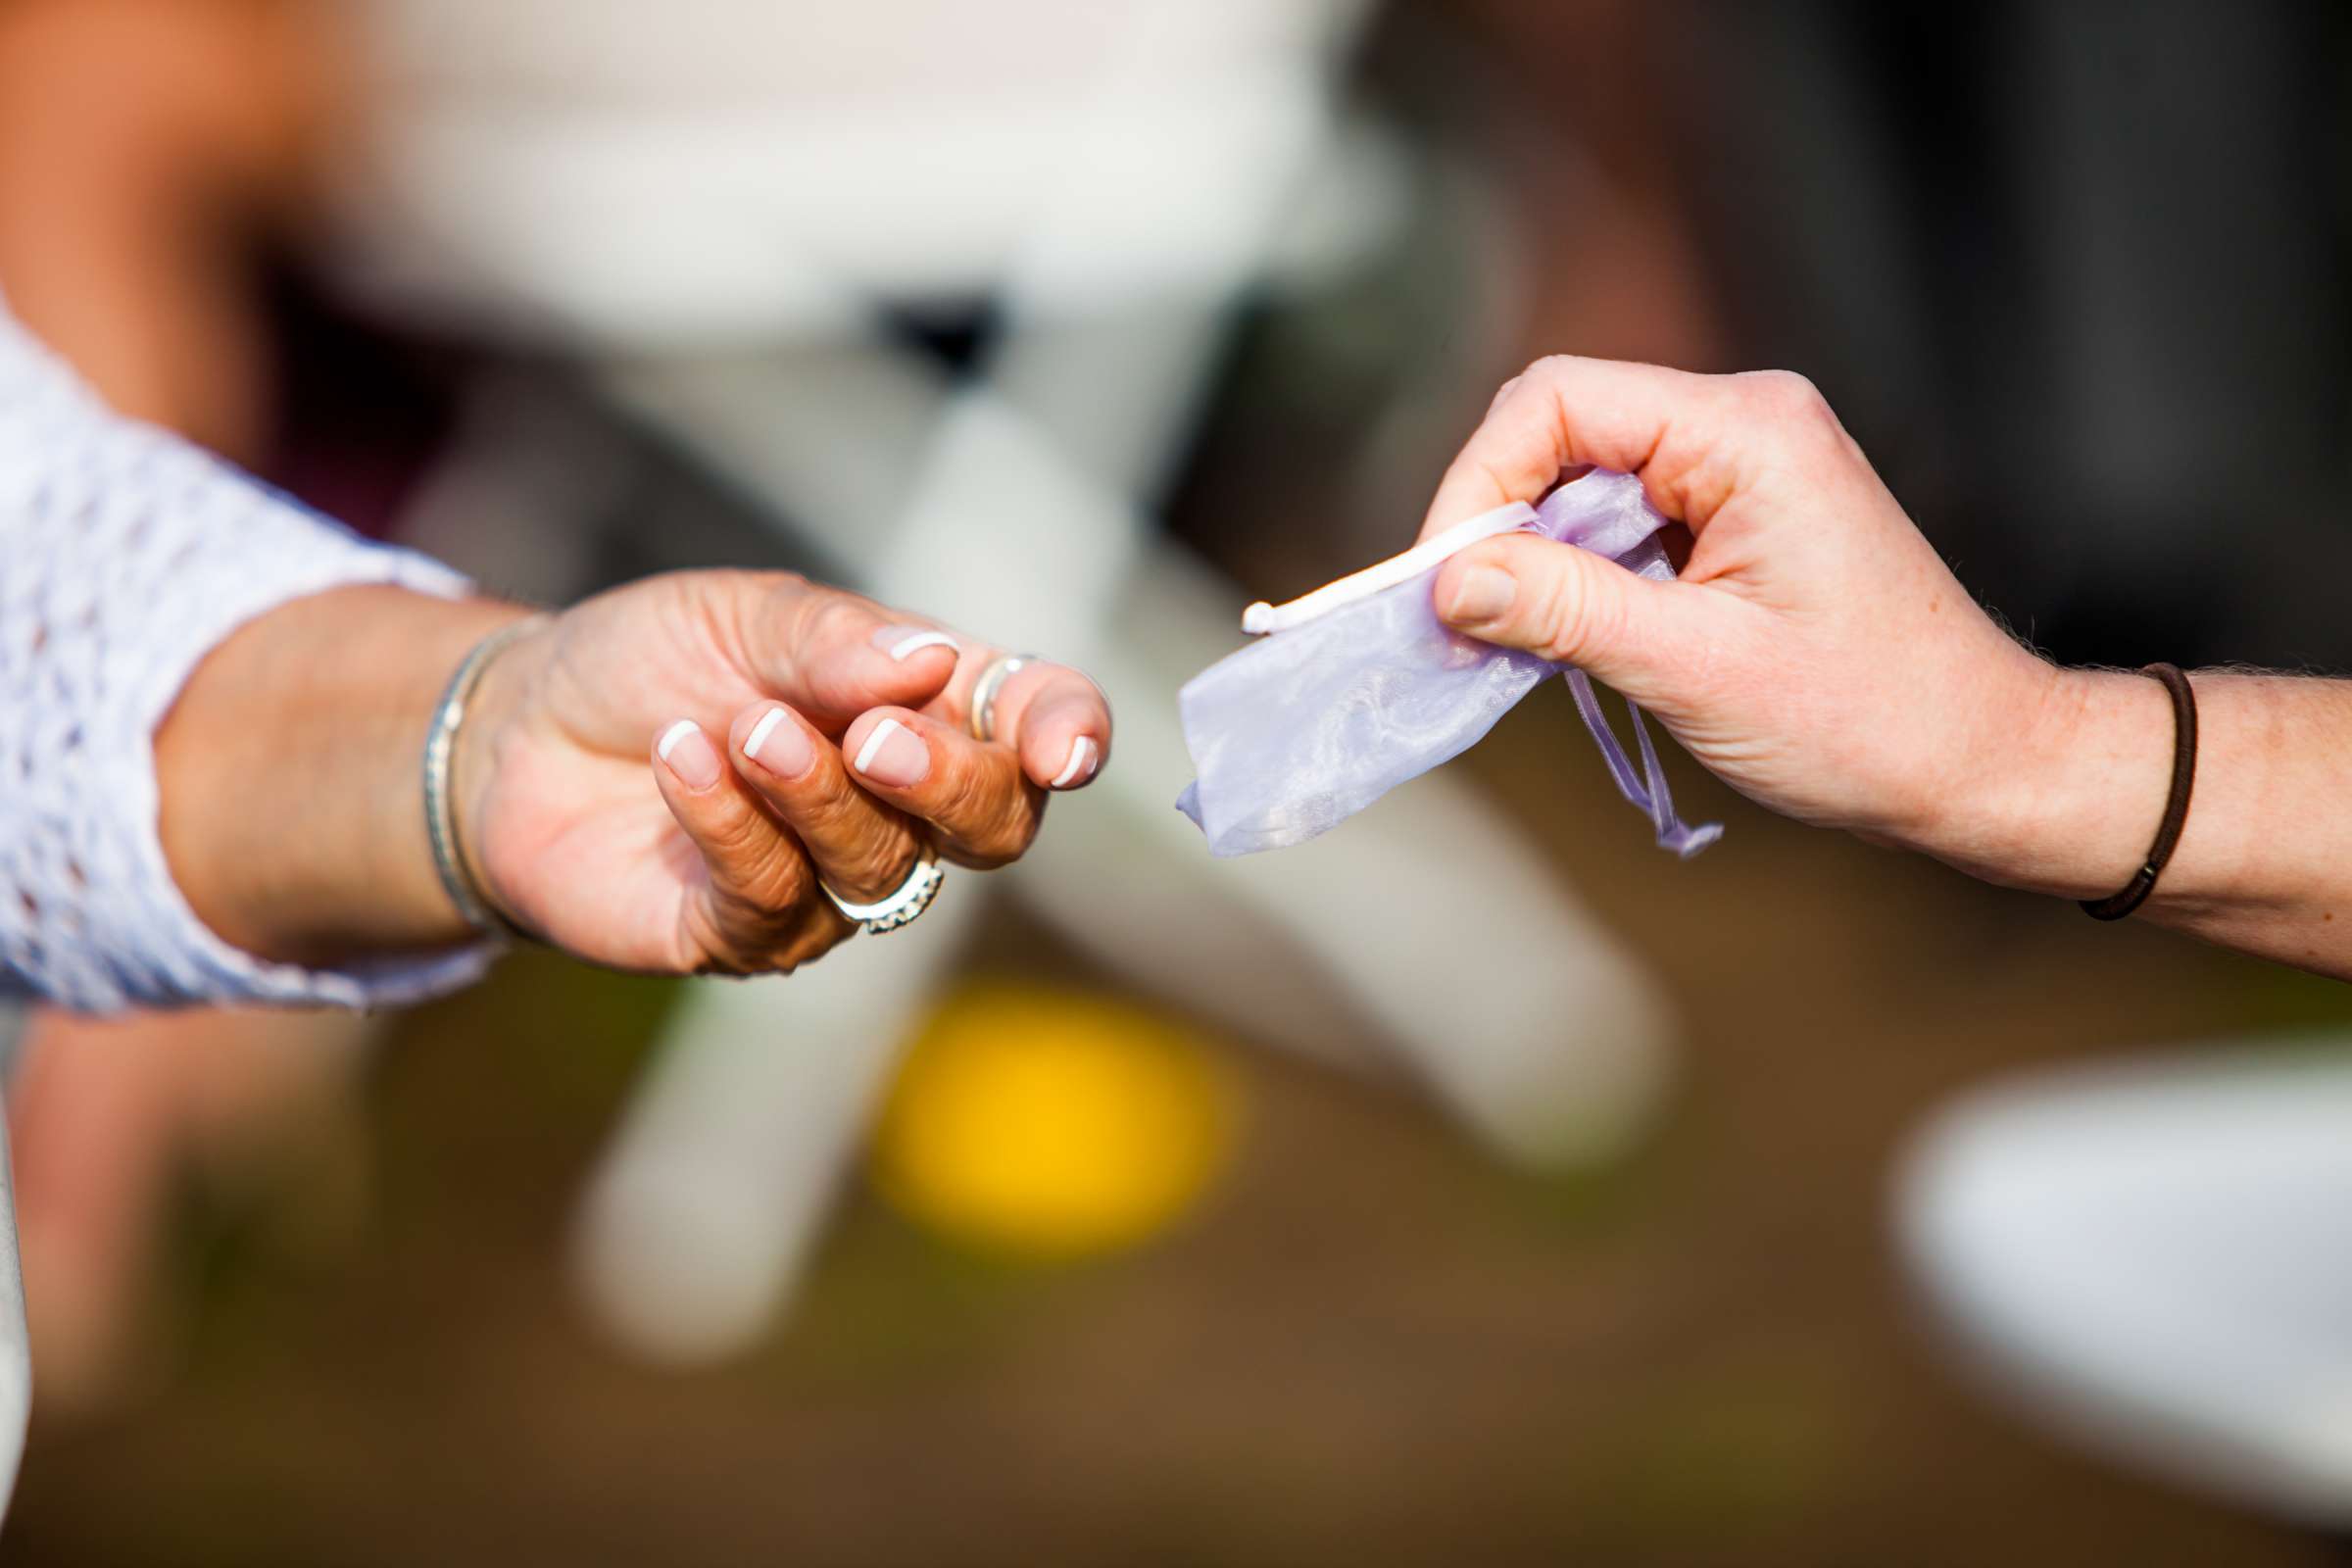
{"type": "Point", "coordinates": [1359, 686]}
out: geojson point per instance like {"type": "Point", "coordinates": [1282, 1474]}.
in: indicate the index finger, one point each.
{"type": "Point", "coordinates": [1565, 411]}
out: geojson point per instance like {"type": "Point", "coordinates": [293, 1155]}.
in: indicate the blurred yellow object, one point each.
{"type": "Point", "coordinates": [1051, 1125]}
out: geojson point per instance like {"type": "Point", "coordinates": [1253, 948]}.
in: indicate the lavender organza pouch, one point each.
{"type": "Point", "coordinates": [1359, 686]}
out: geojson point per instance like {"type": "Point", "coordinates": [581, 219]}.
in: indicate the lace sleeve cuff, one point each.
{"type": "Point", "coordinates": [125, 556]}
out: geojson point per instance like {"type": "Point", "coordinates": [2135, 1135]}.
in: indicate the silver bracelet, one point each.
{"type": "Point", "coordinates": [440, 750]}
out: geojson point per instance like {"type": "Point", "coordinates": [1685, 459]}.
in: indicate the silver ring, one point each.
{"type": "Point", "coordinates": [993, 677]}
{"type": "Point", "coordinates": [899, 908]}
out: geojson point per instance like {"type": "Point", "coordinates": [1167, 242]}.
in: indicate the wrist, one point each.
{"type": "Point", "coordinates": [2068, 789]}
{"type": "Point", "coordinates": [290, 775]}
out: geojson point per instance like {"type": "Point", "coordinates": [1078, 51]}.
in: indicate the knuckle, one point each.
{"type": "Point", "coordinates": [762, 893]}
{"type": "Point", "coordinates": [1557, 617]}
{"type": "Point", "coordinates": [1006, 841]}
{"type": "Point", "coordinates": [880, 863]}
{"type": "Point", "coordinates": [730, 832]}
{"type": "Point", "coordinates": [731, 932]}
{"type": "Point", "coordinates": [968, 799]}
{"type": "Point", "coordinates": [828, 620]}
{"type": "Point", "coordinates": [818, 617]}
{"type": "Point", "coordinates": [990, 818]}
{"type": "Point", "coordinates": [783, 958]}
{"type": "Point", "coordinates": [758, 876]}
{"type": "Point", "coordinates": [713, 944]}
{"type": "Point", "coordinates": [745, 935]}
{"type": "Point", "coordinates": [806, 949]}
{"type": "Point", "coordinates": [812, 940]}
{"type": "Point", "coordinates": [786, 584]}
{"type": "Point", "coordinates": [1792, 399]}
{"type": "Point", "coordinates": [788, 599]}
{"type": "Point", "coordinates": [1568, 616]}
{"type": "Point", "coordinates": [788, 590]}
{"type": "Point", "coordinates": [1550, 367]}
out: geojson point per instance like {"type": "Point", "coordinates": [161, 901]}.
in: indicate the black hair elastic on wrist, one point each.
{"type": "Point", "coordinates": [2176, 807]}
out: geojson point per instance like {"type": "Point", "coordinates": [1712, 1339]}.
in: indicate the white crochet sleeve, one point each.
{"type": "Point", "coordinates": [126, 554]}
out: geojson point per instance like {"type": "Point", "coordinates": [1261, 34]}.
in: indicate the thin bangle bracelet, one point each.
{"type": "Point", "coordinates": [440, 753]}
{"type": "Point", "coordinates": [2136, 892]}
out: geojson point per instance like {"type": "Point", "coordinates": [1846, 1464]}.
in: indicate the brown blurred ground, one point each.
{"type": "Point", "coordinates": [1371, 1346]}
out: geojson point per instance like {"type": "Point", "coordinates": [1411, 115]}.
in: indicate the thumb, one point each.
{"type": "Point", "coordinates": [1567, 605]}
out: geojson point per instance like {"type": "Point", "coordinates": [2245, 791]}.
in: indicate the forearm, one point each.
{"type": "Point", "coordinates": [2265, 860]}
{"type": "Point", "coordinates": [1816, 654]}
{"type": "Point", "coordinates": [291, 796]}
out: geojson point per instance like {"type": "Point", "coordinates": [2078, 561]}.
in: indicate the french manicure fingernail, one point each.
{"type": "Point", "coordinates": [778, 746]}
{"type": "Point", "coordinates": [1483, 594]}
{"type": "Point", "coordinates": [903, 643]}
{"type": "Point", "coordinates": [1081, 765]}
{"type": "Point", "coordinates": [894, 755]}
{"type": "Point", "coordinates": [689, 754]}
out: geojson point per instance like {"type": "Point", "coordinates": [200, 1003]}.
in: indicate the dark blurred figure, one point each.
{"type": "Point", "coordinates": [2076, 279]}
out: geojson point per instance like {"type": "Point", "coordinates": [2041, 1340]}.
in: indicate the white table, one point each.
{"type": "Point", "coordinates": [2156, 1257]}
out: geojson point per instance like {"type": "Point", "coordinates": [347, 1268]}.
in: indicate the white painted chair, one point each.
{"type": "Point", "coordinates": [718, 216]}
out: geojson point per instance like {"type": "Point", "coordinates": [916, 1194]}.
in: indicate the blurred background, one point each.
{"type": "Point", "coordinates": [1476, 1183]}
